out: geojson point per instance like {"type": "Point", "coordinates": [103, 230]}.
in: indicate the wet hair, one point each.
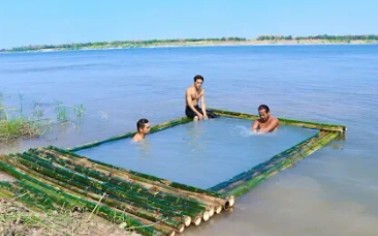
{"type": "Point", "coordinates": [197, 77]}
{"type": "Point", "coordinates": [141, 123]}
{"type": "Point", "coordinates": [263, 107]}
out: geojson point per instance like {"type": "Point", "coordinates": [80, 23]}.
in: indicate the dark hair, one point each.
{"type": "Point", "coordinates": [198, 77]}
{"type": "Point", "coordinates": [263, 107]}
{"type": "Point", "coordinates": [141, 123]}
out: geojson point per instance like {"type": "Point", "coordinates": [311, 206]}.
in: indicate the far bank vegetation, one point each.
{"type": "Point", "coordinates": [369, 38]}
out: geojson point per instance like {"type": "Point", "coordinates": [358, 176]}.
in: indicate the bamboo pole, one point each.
{"type": "Point", "coordinates": [156, 182]}
{"type": "Point", "coordinates": [103, 210]}
{"type": "Point", "coordinates": [69, 187]}
{"type": "Point", "coordinates": [184, 190]}
{"type": "Point", "coordinates": [307, 124]}
{"type": "Point", "coordinates": [179, 202]}
{"type": "Point", "coordinates": [247, 180]}
{"type": "Point", "coordinates": [160, 203]}
{"type": "Point", "coordinates": [154, 129]}
{"type": "Point", "coordinates": [141, 210]}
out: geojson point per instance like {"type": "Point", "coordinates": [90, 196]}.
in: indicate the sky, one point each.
{"type": "Point", "coordinates": [34, 22]}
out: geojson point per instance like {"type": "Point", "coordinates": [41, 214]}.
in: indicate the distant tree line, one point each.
{"type": "Point", "coordinates": [162, 42]}
{"type": "Point", "coordinates": [320, 37]}
{"type": "Point", "coordinates": [120, 44]}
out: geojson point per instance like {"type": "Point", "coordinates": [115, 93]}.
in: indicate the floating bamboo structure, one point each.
{"type": "Point", "coordinates": [154, 205]}
{"type": "Point", "coordinates": [341, 129]}
{"type": "Point", "coordinates": [154, 129]}
{"type": "Point", "coordinates": [245, 181]}
{"type": "Point", "coordinates": [52, 178]}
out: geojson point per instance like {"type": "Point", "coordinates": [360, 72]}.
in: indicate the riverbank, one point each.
{"type": "Point", "coordinates": [188, 43]}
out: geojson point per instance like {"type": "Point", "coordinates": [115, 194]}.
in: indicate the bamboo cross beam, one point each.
{"type": "Point", "coordinates": [285, 121]}
{"type": "Point", "coordinates": [245, 181]}
{"type": "Point", "coordinates": [154, 129]}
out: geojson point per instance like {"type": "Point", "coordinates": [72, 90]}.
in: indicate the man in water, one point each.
{"type": "Point", "coordinates": [143, 128]}
{"type": "Point", "coordinates": [266, 123]}
{"type": "Point", "coordinates": [194, 95]}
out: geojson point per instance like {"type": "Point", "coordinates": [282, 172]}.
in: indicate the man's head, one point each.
{"type": "Point", "coordinates": [263, 111]}
{"type": "Point", "coordinates": [143, 126]}
{"type": "Point", "coordinates": [198, 81]}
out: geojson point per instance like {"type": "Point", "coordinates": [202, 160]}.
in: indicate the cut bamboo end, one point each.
{"type": "Point", "coordinates": [206, 216]}
{"type": "Point", "coordinates": [187, 220]}
{"type": "Point", "coordinates": [173, 233]}
{"type": "Point", "coordinates": [197, 220]}
{"type": "Point", "coordinates": [230, 202]}
{"type": "Point", "coordinates": [218, 209]}
{"type": "Point", "coordinates": [211, 211]}
{"type": "Point", "coordinates": [181, 228]}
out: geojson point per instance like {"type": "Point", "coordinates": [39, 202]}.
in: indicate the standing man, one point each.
{"type": "Point", "coordinates": [194, 95]}
{"type": "Point", "coordinates": [266, 123]}
{"type": "Point", "coordinates": [143, 128]}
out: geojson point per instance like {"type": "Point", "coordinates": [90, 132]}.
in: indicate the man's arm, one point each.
{"type": "Point", "coordinates": [255, 126]}
{"type": "Point", "coordinates": [270, 127]}
{"type": "Point", "coordinates": [189, 102]}
{"type": "Point", "coordinates": [203, 104]}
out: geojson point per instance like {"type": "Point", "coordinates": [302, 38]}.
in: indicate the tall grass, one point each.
{"type": "Point", "coordinates": [14, 123]}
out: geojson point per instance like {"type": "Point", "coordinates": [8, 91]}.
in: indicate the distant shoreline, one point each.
{"type": "Point", "coordinates": [188, 43]}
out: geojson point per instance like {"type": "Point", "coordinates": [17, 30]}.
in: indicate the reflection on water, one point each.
{"type": "Point", "coordinates": [332, 192]}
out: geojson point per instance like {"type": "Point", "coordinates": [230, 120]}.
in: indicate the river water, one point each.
{"type": "Point", "coordinates": [332, 192]}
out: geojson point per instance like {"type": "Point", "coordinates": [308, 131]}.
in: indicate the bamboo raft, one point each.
{"type": "Point", "coordinates": [52, 178]}
{"type": "Point", "coordinates": [245, 181]}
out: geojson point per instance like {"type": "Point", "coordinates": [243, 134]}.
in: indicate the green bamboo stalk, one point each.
{"type": "Point", "coordinates": [12, 191]}
{"type": "Point", "coordinates": [141, 188]}
{"type": "Point", "coordinates": [285, 121]}
{"type": "Point", "coordinates": [179, 228]}
{"type": "Point", "coordinates": [242, 184]}
{"type": "Point", "coordinates": [256, 170]}
{"type": "Point", "coordinates": [117, 191]}
{"type": "Point", "coordinates": [225, 201]}
{"type": "Point", "coordinates": [104, 211]}
{"type": "Point", "coordinates": [41, 167]}
{"type": "Point", "coordinates": [111, 171]}
{"type": "Point", "coordinates": [154, 129]}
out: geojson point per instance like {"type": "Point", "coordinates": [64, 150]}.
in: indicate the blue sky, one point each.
{"type": "Point", "coordinates": [31, 22]}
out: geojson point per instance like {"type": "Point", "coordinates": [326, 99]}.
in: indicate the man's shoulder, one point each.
{"type": "Point", "coordinates": [275, 118]}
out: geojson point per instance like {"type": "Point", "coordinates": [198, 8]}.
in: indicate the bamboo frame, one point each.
{"type": "Point", "coordinates": [245, 181]}
{"type": "Point", "coordinates": [50, 177]}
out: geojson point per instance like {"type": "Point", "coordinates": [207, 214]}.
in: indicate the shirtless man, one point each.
{"type": "Point", "coordinates": [266, 123]}
{"type": "Point", "coordinates": [143, 128]}
{"type": "Point", "coordinates": [195, 94]}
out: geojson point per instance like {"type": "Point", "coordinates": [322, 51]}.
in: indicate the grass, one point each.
{"type": "Point", "coordinates": [17, 219]}
{"type": "Point", "coordinates": [15, 124]}
{"type": "Point", "coordinates": [17, 127]}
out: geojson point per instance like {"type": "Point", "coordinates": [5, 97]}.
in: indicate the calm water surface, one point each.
{"type": "Point", "coordinates": [332, 192]}
{"type": "Point", "coordinates": [200, 154]}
